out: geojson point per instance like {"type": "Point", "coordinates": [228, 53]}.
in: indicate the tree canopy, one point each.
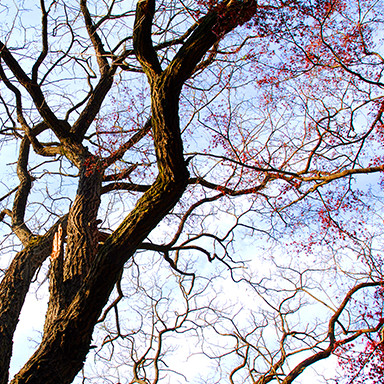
{"type": "Point", "coordinates": [194, 190]}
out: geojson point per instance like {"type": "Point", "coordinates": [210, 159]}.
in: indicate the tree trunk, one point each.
{"type": "Point", "coordinates": [82, 275]}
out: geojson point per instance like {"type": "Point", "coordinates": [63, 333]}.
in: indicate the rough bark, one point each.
{"type": "Point", "coordinates": [82, 233]}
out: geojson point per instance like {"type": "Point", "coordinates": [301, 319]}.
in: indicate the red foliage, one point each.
{"type": "Point", "coordinates": [366, 365]}
{"type": "Point", "coordinates": [363, 367]}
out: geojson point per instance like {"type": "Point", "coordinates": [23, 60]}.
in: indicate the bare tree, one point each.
{"type": "Point", "coordinates": [153, 133]}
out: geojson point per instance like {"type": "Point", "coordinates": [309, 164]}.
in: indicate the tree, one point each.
{"type": "Point", "coordinates": [183, 126]}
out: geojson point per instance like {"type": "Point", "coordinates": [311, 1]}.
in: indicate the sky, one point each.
{"type": "Point", "coordinates": [249, 247]}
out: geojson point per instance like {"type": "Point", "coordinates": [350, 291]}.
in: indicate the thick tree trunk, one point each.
{"type": "Point", "coordinates": [82, 233]}
{"type": "Point", "coordinates": [70, 266]}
